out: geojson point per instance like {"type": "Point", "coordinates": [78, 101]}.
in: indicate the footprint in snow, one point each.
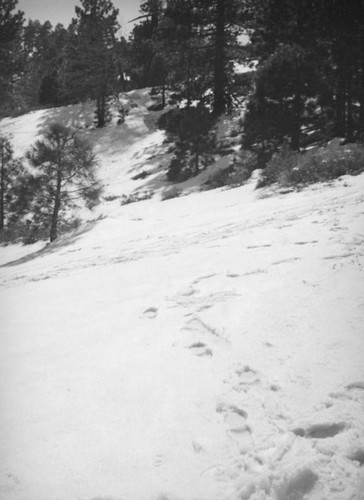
{"type": "Point", "coordinates": [159, 461]}
{"type": "Point", "coordinates": [200, 349]}
{"type": "Point", "coordinates": [356, 385]}
{"type": "Point", "coordinates": [235, 419]}
{"type": "Point", "coordinates": [150, 313]}
{"type": "Point", "coordinates": [305, 242]}
{"type": "Point", "coordinates": [252, 247]}
{"type": "Point", "coordinates": [357, 455]}
{"type": "Point", "coordinates": [202, 278]}
{"type": "Point", "coordinates": [298, 485]}
{"type": "Point", "coordinates": [352, 391]}
{"type": "Point", "coordinates": [246, 377]}
{"type": "Point", "coordinates": [320, 431]}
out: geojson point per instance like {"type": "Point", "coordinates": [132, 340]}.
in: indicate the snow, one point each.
{"type": "Point", "coordinates": [205, 347]}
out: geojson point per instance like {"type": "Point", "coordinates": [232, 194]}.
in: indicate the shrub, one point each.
{"type": "Point", "coordinates": [111, 197]}
{"type": "Point", "coordinates": [289, 168]}
{"type": "Point", "coordinates": [141, 175]}
{"type": "Point", "coordinates": [170, 193]}
{"type": "Point", "coordinates": [236, 174]}
{"type": "Point", "coordinates": [157, 106]}
{"type": "Point", "coordinates": [135, 197]}
{"type": "Point", "coordinates": [218, 178]}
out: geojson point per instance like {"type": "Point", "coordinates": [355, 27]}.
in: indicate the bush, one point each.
{"type": "Point", "coordinates": [218, 178]}
{"type": "Point", "coordinates": [111, 197]}
{"type": "Point", "coordinates": [157, 106]}
{"type": "Point", "coordinates": [170, 193]}
{"type": "Point", "coordinates": [135, 197]}
{"type": "Point", "coordinates": [29, 231]}
{"type": "Point", "coordinates": [289, 168]}
{"type": "Point", "coordinates": [141, 175]}
{"type": "Point", "coordinates": [236, 174]}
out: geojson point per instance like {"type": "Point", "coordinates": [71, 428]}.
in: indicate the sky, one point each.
{"type": "Point", "coordinates": [62, 11]}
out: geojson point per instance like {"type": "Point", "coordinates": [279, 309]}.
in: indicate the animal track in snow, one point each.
{"type": "Point", "coordinates": [246, 376]}
{"type": "Point", "coordinates": [200, 349]}
{"type": "Point", "coordinates": [151, 312]}
{"type": "Point", "coordinates": [202, 278]}
{"type": "Point", "coordinates": [305, 242]}
{"type": "Point", "coordinates": [235, 420]}
{"type": "Point", "coordinates": [357, 455]}
{"type": "Point", "coordinates": [252, 247]}
{"type": "Point", "coordinates": [356, 385]}
{"type": "Point", "coordinates": [320, 431]}
{"type": "Point", "coordinates": [298, 485]}
{"type": "Point", "coordinates": [159, 461]}
{"type": "Point", "coordinates": [343, 256]}
{"type": "Point", "coordinates": [285, 261]}
{"type": "Point", "coordinates": [256, 271]}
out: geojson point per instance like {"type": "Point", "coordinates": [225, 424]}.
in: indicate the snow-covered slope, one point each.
{"type": "Point", "coordinates": [207, 347]}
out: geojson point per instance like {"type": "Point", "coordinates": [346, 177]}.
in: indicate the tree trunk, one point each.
{"type": "Point", "coordinates": [340, 106]}
{"type": "Point", "coordinates": [349, 107]}
{"type": "Point", "coordinates": [164, 93]}
{"type": "Point", "coordinates": [2, 195]}
{"type": "Point", "coordinates": [56, 207]}
{"type": "Point", "coordinates": [219, 65]}
{"type": "Point", "coordinates": [189, 55]}
{"type": "Point", "coordinates": [361, 95]}
{"type": "Point", "coordinates": [101, 109]}
{"type": "Point", "coordinates": [197, 169]}
{"type": "Point", "coordinates": [297, 111]}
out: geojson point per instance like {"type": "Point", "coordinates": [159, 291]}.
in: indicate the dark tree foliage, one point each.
{"type": "Point", "coordinates": [188, 44]}
{"type": "Point", "coordinates": [144, 52]}
{"type": "Point", "coordinates": [310, 72]}
{"type": "Point", "coordinates": [42, 57]}
{"type": "Point", "coordinates": [6, 157]}
{"type": "Point", "coordinates": [11, 24]}
{"type": "Point", "coordinates": [191, 129]}
{"type": "Point", "coordinates": [92, 67]}
{"type": "Point", "coordinates": [66, 166]}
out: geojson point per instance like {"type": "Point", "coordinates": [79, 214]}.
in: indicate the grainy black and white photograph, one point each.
{"type": "Point", "coordinates": [182, 250]}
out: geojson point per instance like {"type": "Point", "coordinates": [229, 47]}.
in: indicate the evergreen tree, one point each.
{"type": "Point", "coordinates": [144, 50]}
{"type": "Point", "coordinates": [11, 24]}
{"type": "Point", "coordinates": [224, 21]}
{"type": "Point", "coordinates": [6, 157]}
{"type": "Point", "coordinates": [311, 67]}
{"type": "Point", "coordinates": [92, 69]}
{"type": "Point", "coordinates": [288, 40]}
{"type": "Point", "coordinates": [191, 131]}
{"type": "Point", "coordinates": [66, 166]}
{"type": "Point", "coordinates": [343, 32]}
{"type": "Point", "coordinates": [194, 133]}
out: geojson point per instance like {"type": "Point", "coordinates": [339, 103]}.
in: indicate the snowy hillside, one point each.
{"type": "Point", "coordinates": [208, 347]}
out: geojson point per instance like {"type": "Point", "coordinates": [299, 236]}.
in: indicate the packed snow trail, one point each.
{"type": "Point", "coordinates": [206, 347]}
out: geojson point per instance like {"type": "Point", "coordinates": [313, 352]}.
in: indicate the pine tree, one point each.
{"type": "Point", "coordinates": [6, 157]}
{"type": "Point", "coordinates": [343, 32]}
{"type": "Point", "coordinates": [92, 70]}
{"type": "Point", "coordinates": [194, 131]}
{"type": "Point", "coordinates": [287, 40]}
{"type": "Point", "coordinates": [66, 166]}
{"type": "Point", "coordinates": [11, 24]}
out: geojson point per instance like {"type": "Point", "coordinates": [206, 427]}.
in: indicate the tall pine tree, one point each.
{"type": "Point", "coordinates": [92, 69]}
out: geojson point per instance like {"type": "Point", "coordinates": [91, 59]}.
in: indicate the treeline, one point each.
{"type": "Point", "coordinates": [309, 84]}
{"type": "Point", "coordinates": [309, 56]}
{"type": "Point", "coordinates": [188, 43]}
{"type": "Point", "coordinates": [42, 65]}
{"type": "Point", "coordinates": [37, 202]}
{"type": "Point", "coordinates": [303, 81]}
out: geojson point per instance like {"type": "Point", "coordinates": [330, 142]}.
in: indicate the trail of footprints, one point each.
{"type": "Point", "coordinates": [338, 416]}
